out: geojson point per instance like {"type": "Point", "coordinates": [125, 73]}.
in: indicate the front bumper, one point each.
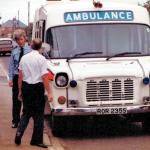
{"type": "Point", "coordinates": [94, 110]}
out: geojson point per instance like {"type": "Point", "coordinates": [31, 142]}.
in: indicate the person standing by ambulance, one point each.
{"type": "Point", "coordinates": [21, 49]}
{"type": "Point", "coordinates": [33, 80]}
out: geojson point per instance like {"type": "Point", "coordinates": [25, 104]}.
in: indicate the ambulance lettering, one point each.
{"type": "Point", "coordinates": [88, 16]}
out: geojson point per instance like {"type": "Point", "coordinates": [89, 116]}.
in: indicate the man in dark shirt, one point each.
{"type": "Point", "coordinates": [16, 54]}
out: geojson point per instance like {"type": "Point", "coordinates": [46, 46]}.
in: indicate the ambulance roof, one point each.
{"type": "Point", "coordinates": [56, 11]}
{"type": "Point", "coordinates": [118, 1]}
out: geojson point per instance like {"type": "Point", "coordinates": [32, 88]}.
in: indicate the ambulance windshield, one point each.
{"type": "Point", "coordinates": [110, 39]}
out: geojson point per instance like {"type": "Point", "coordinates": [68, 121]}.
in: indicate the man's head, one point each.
{"type": "Point", "coordinates": [36, 44]}
{"type": "Point", "coordinates": [20, 37]}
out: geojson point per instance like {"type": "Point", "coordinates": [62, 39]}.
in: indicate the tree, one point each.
{"type": "Point", "coordinates": [29, 31]}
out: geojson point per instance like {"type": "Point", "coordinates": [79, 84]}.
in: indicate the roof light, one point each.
{"type": "Point", "coordinates": [97, 4]}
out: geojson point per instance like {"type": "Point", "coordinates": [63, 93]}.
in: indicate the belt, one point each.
{"type": "Point", "coordinates": [35, 84]}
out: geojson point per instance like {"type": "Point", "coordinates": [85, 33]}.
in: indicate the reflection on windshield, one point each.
{"type": "Point", "coordinates": [109, 39]}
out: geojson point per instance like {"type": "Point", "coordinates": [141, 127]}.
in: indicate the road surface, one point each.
{"type": "Point", "coordinates": [89, 134]}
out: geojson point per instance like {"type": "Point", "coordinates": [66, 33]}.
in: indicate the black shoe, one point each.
{"type": "Point", "coordinates": [17, 140]}
{"type": "Point", "coordinates": [39, 145]}
{"type": "Point", "coordinates": [14, 125]}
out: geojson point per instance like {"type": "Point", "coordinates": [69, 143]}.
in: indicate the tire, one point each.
{"type": "Point", "coordinates": [146, 126]}
{"type": "Point", "coordinates": [57, 125]}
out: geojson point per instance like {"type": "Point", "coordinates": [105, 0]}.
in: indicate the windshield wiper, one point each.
{"type": "Point", "coordinates": [85, 53]}
{"type": "Point", "coordinates": [122, 54]}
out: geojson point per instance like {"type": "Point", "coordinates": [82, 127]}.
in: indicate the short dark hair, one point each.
{"type": "Point", "coordinates": [36, 44]}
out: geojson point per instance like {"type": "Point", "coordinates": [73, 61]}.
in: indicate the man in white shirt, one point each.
{"type": "Point", "coordinates": [32, 81]}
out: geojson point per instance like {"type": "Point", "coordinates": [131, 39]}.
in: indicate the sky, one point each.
{"type": "Point", "coordinates": [9, 9]}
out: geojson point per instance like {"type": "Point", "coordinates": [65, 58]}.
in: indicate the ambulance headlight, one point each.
{"type": "Point", "coordinates": [61, 80]}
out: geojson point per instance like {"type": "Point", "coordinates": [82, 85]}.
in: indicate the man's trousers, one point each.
{"type": "Point", "coordinates": [33, 106]}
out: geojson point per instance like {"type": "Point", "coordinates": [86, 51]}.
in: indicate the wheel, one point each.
{"type": "Point", "coordinates": [146, 126]}
{"type": "Point", "coordinates": [57, 125]}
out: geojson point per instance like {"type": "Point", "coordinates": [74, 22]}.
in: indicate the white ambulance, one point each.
{"type": "Point", "coordinates": [100, 57]}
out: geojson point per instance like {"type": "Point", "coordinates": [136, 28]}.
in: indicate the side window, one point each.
{"type": "Point", "coordinates": [49, 37]}
{"type": "Point", "coordinates": [40, 29]}
{"type": "Point", "coordinates": [36, 30]}
{"type": "Point", "coordinates": [50, 41]}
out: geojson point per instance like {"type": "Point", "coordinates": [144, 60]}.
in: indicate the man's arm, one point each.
{"type": "Point", "coordinates": [10, 70]}
{"type": "Point", "coordinates": [47, 87]}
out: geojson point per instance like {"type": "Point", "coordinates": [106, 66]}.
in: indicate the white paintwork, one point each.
{"type": "Point", "coordinates": [55, 10]}
{"type": "Point", "coordinates": [83, 70]}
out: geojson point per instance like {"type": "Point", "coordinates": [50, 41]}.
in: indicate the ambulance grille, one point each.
{"type": "Point", "coordinates": [110, 90]}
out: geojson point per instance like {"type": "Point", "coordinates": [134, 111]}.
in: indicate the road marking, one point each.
{"type": "Point", "coordinates": [47, 140]}
{"type": "Point", "coordinates": [54, 142]}
{"type": "Point", "coordinates": [4, 72]}
{"type": "Point", "coordinates": [51, 148]}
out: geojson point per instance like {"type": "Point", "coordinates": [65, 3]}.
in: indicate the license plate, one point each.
{"type": "Point", "coordinates": [112, 110]}
{"type": "Point", "coordinates": [5, 49]}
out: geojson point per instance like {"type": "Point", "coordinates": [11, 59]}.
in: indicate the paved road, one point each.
{"type": "Point", "coordinates": [90, 134]}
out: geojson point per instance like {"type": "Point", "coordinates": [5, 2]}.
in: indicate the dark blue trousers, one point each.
{"type": "Point", "coordinates": [16, 104]}
{"type": "Point", "coordinates": [33, 106]}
